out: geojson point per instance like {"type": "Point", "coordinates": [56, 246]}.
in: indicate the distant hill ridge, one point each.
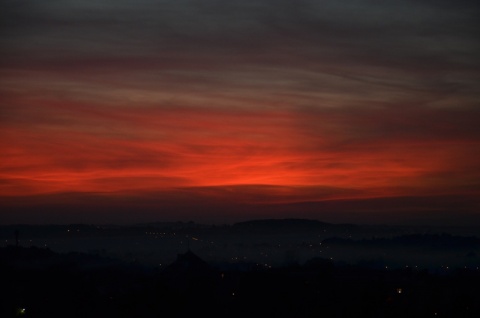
{"type": "Point", "coordinates": [287, 224]}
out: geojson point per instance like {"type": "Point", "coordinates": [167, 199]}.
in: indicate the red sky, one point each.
{"type": "Point", "coordinates": [213, 111]}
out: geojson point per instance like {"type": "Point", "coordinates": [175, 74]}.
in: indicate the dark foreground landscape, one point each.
{"type": "Point", "coordinates": [267, 268]}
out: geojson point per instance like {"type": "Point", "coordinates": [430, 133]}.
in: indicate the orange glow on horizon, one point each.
{"type": "Point", "coordinates": [150, 149]}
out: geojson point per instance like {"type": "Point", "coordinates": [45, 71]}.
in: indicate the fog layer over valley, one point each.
{"type": "Point", "coordinates": [262, 243]}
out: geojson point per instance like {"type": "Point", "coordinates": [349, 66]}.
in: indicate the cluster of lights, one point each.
{"type": "Point", "coordinates": [237, 258]}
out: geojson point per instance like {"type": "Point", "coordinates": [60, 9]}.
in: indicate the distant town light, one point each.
{"type": "Point", "coordinates": [21, 311]}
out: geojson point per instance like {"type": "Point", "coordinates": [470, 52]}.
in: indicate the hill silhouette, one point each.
{"type": "Point", "coordinates": [289, 225]}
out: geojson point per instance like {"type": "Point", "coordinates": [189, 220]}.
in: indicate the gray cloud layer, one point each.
{"type": "Point", "coordinates": [363, 29]}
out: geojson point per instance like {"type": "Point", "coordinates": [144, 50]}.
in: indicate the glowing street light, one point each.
{"type": "Point", "coordinates": [21, 312]}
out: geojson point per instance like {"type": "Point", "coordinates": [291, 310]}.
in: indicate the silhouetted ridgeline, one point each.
{"type": "Point", "coordinates": [37, 282]}
{"type": "Point", "coordinates": [285, 225]}
{"type": "Point", "coordinates": [431, 241]}
{"type": "Point", "coordinates": [278, 226]}
{"type": "Point", "coordinates": [88, 230]}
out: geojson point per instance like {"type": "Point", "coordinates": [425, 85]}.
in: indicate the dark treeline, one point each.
{"type": "Point", "coordinates": [37, 282]}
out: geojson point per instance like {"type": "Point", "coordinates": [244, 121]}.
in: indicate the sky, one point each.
{"type": "Point", "coordinates": [210, 110]}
